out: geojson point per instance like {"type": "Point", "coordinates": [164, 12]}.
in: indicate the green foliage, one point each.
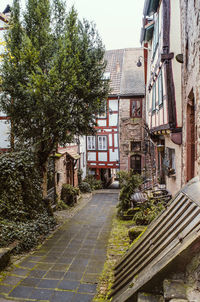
{"type": "Point", "coordinates": [24, 216]}
{"type": "Point", "coordinates": [52, 70]}
{"type": "Point", "coordinates": [118, 245]}
{"type": "Point", "coordinates": [93, 182]}
{"type": "Point", "coordinates": [69, 194]}
{"type": "Point", "coordinates": [85, 187]}
{"type": "Point", "coordinates": [29, 233]}
{"type": "Point", "coordinates": [20, 187]}
{"type": "Point", "coordinates": [147, 212]}
{"type": "Point", "coordinates": [128, 183]}
{"type": "Point", "coordinates": [61, 206]}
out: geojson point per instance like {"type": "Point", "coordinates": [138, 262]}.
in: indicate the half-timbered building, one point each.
{"type": "Point", "coordinates": [161, 39]}
{"type": "Point", "coordinates": [117, 144]}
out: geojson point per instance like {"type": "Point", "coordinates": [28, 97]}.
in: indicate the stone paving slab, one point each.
{"type": "Point", "coordinates": [68, 265]}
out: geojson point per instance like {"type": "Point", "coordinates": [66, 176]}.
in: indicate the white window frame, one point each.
{"type": "Point", "coordinates": [91, 142]}
{"type": "Point", "coordinates": [102, 142]}
{"type": "Point", "coordinates": [160, 89]}
{"type": "Point", "coordinates": [154, 97]}
{"type": "Point", "coordinates": [156, 34]}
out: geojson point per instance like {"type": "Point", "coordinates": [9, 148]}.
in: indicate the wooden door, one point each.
{"type": "Point", "coordinates": [190, 140]}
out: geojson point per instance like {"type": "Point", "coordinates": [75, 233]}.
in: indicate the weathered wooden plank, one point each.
{"type": "Point", "coordinates": [150, 271]}
{"type": "Point", "coordinates": [178, 209]}
{"type": "Point", "coordinates": [168, 228]}
{"type": "Point", "coordinates": [154, 227]}
{"type": "Point", "coordinates": [167, 239]}
{"type": "Point", "coordinates": [138, 264]}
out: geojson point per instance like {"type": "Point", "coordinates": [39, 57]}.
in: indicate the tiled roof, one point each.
{"type": "Point", "coordinates": [126, 78]}
{"type": "Point", "coordinates": [114, 60]}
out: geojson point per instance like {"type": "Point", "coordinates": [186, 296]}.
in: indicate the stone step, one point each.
{"type": "Point", "coordinates": [173, 290]}
{"type": "Point", "coordinates": [178, 300]}
{"type": "Point", "coordinates": [5, 255]}
{"type": "Point", "coordinates": [146, 297]}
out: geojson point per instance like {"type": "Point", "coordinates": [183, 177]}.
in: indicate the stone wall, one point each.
{"type": "Point", "coordinates": [178, 286]}
{"type": "Point", "coordinates": [190, 27]}
{"type": "Point", "coordinates": [130, 129]}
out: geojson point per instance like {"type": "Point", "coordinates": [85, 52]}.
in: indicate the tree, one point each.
{"type": "Point", "coordinates": [53, 73]}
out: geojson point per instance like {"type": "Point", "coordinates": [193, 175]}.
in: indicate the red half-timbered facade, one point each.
{"type": "Point", "coordinates": [103, 148]}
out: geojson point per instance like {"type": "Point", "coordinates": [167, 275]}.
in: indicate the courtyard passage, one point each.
{"type": "Point", "coordinates": [67, 266]}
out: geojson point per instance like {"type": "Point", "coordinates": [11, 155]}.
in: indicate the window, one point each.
{"type": "Point", "coordinates": [160, 89]}
{"type": "Point", "coordinates": [154, 97]}
{"type": "Point", "coordinates": [136, 163]}
{"type": "Point", "coordinates": [156, 35]}
{"type": "Point", "coordinates": [102, 142]}
{"type": "Point", "coordinates": [136, 108]}
{"type": "Point", "coordinates": [136, 146]}
{"type": "Point", "coordinates": [91, 142]}
{"type": "Point", "coordinates": [169, 161]}
{"type": "Point", "coordinates": [106, 75]}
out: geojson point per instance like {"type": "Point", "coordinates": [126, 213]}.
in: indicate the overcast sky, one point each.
{"type": "Point", "coordinates": [118, 21]}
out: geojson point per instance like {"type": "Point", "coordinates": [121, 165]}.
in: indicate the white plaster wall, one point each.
{"type": "Point", "coordinates": [113, 119]}
{"type": "Point", "coordinates": [101, 123]}
{"type": "Point", "coordinates": [83, 155]}
{"type": "Point", "coordinates": [114, 156]}
{"type": "Point", "coordinates": [102, 156]}
{"type": "Point", "coordinates": [4, 134]}
{"type": "Point", "coordinates": [173, 184]}
{"type": "Point", "coordinates": [91, 156]}
{"type": "Point", "coordinates": [113, 105]}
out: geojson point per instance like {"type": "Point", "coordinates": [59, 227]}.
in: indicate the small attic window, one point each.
{"type": "Point", "coordinates": [106, 76]}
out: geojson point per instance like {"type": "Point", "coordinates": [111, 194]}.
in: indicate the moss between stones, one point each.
{"type": "Point", "coordinates": [135, 233]}
{"type": "Point", "coordinates": [118, 244]}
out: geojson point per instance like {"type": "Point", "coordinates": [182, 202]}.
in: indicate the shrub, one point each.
{"type": "Point", "coordinates": [147, 212]}
{"type": "Point", "coordinates": [128, 183]}
{"type": "Point", "coordinates": [93, 182]}
{"type": "Point", "coordinates": [20, 187]}
{"type": "Point", "coordinates": [61, 205]}
{"type": "Point", "coordinates": [69, 194]}
{"type": "Point", "coordinates": [24, 215]}
{"type": "Point", "coordinates": [85, 187]}
{"type": "Point", "coordinates": [28, 233]}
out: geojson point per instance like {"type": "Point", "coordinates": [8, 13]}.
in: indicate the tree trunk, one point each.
{"type": "Point", "coordinates": [44, 179]}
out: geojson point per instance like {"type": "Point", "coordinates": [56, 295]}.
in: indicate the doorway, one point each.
{"type": "Point", "coordinates": [190, 138]}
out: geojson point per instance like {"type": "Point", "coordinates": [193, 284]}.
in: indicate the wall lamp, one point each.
{"type": "Point", "coordinates": [139, 62]}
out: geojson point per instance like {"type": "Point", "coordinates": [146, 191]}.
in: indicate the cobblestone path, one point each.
{"type": "Point", "coordinates": [66, 268]}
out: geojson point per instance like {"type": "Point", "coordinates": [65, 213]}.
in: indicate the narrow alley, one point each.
{"type": "Point", "coordinates": [67, 267]}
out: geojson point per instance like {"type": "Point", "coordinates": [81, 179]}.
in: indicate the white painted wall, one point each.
{"type": "Point", "coordinates": [83, 158]}
{"type": "Point", "coordinates": [102, 156]}
{"type": "Point", "coordinates": [113, 105]}
{"type": "Point", "coordinates": [114, 156]}
{"type": "Point", "coordinates": [113, 119]}
{"type": "Point", "coordinates": [91, 156]}
{"type": "Point", "coordinates": [4, 134]}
